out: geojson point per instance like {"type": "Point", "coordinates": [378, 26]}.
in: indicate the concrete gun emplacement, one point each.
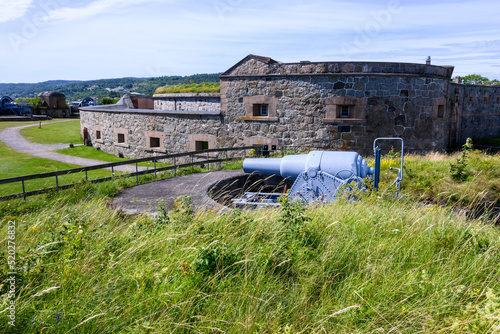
{"type": "Point", "coordinates": [319, 175]}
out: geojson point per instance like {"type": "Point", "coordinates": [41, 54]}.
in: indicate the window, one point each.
{"type": "Point", "coordinates": [345, 109]}
{"type": "Point", "coordinates": [260, 110]}
{"type": "Point", "coordinates": [345, 112]}
{"type": "Point", "coordinates": [485, 99]}
{"type": "Point", "coordinates": [440, 113]}
{"type": "Point", "coordinates": [154, 142]}
{"type": "Point", "coordinates": [201, 145]}
{"type": "Point", "coordinates": [121, 138]}
{"type": "Point", "coordinates": [98, 134]}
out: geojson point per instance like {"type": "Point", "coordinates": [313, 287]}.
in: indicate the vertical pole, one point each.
{"type": "Point", "coordinates": [192, 160]}
{"type": "Point", "coordinates": [112, 171]}
{"type": "Point", "coordinates": [86, 175]}
{"type": "Point", "coordinates": [136, 174]}
{"type": "Point", "coordinates": [57, 183]}
{"type": "Point", "coordinates": [208, 163]}
{"type": "Point", "coordinates": [377, 168]}
{"type": "Point", "coordinates": [154, 163]}
{"type": "Point", "coordinates": [225, 157]}
{"type": "Point", "coordinates": [175, 168]}
{"type": "Point", "coordinates": [24, 190]}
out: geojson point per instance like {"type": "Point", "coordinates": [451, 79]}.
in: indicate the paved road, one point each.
{"type": "Point", "coordinates": [13, 138]}
{"type": "Point", "coordinates": [145, 197]}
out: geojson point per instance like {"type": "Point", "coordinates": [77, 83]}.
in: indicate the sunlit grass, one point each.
{"type": "Point", "coordinates": [54, 133]}
{"type": "Point", "coordinates": [375, 265]}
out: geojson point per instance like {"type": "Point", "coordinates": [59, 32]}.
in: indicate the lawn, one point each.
{"type": "Point", "coordinates": [54, 133]}
{"type": "Point", "coordinates": [91, 153]}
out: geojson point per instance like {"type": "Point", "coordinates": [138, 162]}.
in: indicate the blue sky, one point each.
{"type": "Point", "coordinates": [95, 39]}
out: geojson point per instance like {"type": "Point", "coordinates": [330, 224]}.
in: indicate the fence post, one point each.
{"type": "Point", "coordinates": [208, 163]}
{"type": "Point", "coordinates": [175, 168]}
{"type": "Point", "coordinates": [57, 183]}
{"type": "Point", "coordinates": [112, 171]}
{"type": "Point", "coordinates": [192, 161]}
{"type": "Point", "coordinates": [24, 190]}
{"type": "Point", "coordinates": [86, 175]}
{"type": "Point", "coordinates": [154, 163]}
{"type": "Point", "coordinates": [136, 174]}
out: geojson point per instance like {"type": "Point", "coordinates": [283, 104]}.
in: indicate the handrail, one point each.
{"type": "Point", "coordinates": [111, 165]}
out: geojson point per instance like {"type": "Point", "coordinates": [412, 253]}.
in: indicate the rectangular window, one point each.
{"type": "Point", "coordinates": [485, 99]}
{"type": "Point", "coordinates": [263, 110]}
{"type": "Point", "coordinates": [121, 138]}
{"type": "Point", "coordinates": [97, 134]}
{"type": "Point", "coordinates": [345, 112]}
{"type": "Point", "coordinates": [154, 142]}
{"type": "Point", "coordinates": [260, 110]}
{"type": "Point", "coordinates": [201, 145]}
{"type": "Point", "coordinates": [440, 111]}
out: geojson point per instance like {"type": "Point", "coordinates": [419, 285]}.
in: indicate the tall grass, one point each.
{"type": "Point", "coordinates": [204, 87]}
{"type": "Point", "coordinates": [376, 265]}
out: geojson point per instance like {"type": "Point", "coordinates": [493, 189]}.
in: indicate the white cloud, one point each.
{"type": "Point", "coordinates": [11, 10]}
{"type": "Point", "coordinates": [94, 8]}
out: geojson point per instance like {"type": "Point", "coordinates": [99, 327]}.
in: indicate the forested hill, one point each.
{"type": "Point", "coordinates": [76, 90]}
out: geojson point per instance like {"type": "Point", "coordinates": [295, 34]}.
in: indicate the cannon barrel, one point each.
{"type": "Point", "coordinates": [343, 165]}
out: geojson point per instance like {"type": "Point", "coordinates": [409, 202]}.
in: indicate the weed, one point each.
{"type": "Point", "coordinates": [459, 169]}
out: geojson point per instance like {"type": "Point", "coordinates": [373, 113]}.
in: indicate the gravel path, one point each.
{"type": "Point", "coordinates": [145, 197]}
{"type": "Point", "coordinates": [13, 138]}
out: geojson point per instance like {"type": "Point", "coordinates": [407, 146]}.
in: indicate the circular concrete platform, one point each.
{"type": "Point", "coordinates": [144, 198]}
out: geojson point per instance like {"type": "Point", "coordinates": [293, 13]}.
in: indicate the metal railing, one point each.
{"type": "Point", "coordinates": [205, 155]}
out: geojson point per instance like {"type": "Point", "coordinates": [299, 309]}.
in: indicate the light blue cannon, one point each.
{"type": "Point", "coordinates": [318, 175]}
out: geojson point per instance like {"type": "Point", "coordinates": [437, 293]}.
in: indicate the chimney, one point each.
{"type": "Point", "coordinates": [428, 61]}
{"type": "Point", "coordinates": [457, 79]}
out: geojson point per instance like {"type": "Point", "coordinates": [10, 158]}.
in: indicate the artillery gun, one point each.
{"type": "Point", "coordinates": [318, 176]}
{"type": "Point", "coordinates": [9, 107]}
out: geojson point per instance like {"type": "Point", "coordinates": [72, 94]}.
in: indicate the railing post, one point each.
{"type": "Point", "coordinates": [86, 175]}
{"type": "Point", "coordinates": [136, 174]}
{"type": "Point", "coordinates": [154, 164]}
{"type": "Point", "coordinates": [112, 171]}
{"type": "Point", "coordinates": [192, 161]}
{"type": "Point", "coordinates": [175, 168]}
{"type": "Point", "coordinates": [208, 163]}
{"type": "Point", "coordinates": [57, 183]}
{"type": "Point", "coordinates": [24, 190]}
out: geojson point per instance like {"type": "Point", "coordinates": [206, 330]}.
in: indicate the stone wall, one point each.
{"type": "Point", "coordinates": [331, 106]}
{"type": "Point", "coordinates": [386, 99]}
{"type": "Point", "coordinates": [187, 101]}
{"type": "Point", "coordinates": [475, 112]}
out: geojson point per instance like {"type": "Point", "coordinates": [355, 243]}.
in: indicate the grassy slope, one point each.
{"type": "Point", "coordinates": [13, 163]}
{"type": "Point", "coordinates": [63, 132]}
{"type": "Point", "coordinates": [376, 265]}
{"type": "Point", "coordinates": [92, 153]}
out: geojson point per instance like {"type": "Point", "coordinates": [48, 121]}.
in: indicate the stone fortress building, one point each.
{"type": "Point", "coordinates": [321, 105]}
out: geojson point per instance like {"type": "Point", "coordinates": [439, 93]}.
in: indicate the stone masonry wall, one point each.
{"type": "Point", "coordinates": [176, 129]}
{"type": "Point", "coordinates": [475, 112]}
{"type": "Point", "coordinates": [187, 102]}
{"type": "Point", "coordinates": [396, 105]}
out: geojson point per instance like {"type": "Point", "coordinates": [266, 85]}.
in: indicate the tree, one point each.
{"type": "Point", "coordinates": [475, 79]}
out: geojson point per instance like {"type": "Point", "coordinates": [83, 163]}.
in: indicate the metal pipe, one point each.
{"type": "Point", "coordinates": [376, 178]}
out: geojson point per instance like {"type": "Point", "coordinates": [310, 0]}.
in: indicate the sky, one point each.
{"type": "Point", "coordinates": [99, 39]}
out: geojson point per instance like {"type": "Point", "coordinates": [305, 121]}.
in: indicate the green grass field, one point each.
{"type": "Point", "coordinates": [424, 262]}
{"type": "Point", "coordinates": [91, 153]}
{"type": "Point", "coordinates": [377, 265]}
{"type": "Point", "coordinates": [13, 163]}
{"type": "Point", "coordinates": [55, 133]}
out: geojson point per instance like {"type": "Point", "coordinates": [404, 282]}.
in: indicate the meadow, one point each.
{"type": "Point", "coordinates": [427, 261]}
